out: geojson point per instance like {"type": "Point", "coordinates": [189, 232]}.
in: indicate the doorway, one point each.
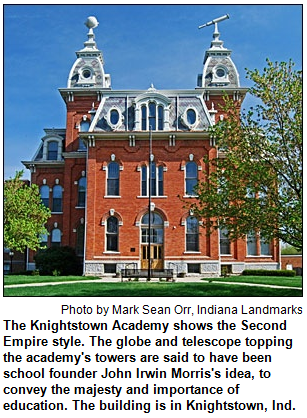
{"type": "Point", "coordinates": [156, 241]}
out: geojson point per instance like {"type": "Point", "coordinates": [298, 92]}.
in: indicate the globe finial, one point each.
{"type": "Point", "coordinates": [91, 22]}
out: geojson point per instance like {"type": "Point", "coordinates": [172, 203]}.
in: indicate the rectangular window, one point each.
{"type": "Point", "coordinates": [224, 242]}
{"type": "Point", "coordinates": [251, 244]}
{"type": "Point", "coordinates": [156, 179]}
{"type": "Point", "coordinates": [193, 268]}
{"type": "Point", "coordinates": [113, 179]}
{"type": "Point", "coordinates": [265, 247]}
{"type": "Point", "coordinates": [110, 268]}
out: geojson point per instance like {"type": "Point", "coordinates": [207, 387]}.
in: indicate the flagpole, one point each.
{"type": "Point", "coordinates": [149, 204]}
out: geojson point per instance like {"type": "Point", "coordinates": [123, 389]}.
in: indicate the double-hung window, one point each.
{"type": "Point", "coordinates": [113, 179]}
{"type": "Point", "coordinates": [190, 178]}
{"type": "Point", "coordinates": [112, 234]}
{"type": "Point", "coordinates": [44, 192]}
{"type": "Point", "coordinates": [192, 234]}
{"type": "Point", "coordinates": [155, 177]}
{"type": "Point", "coordinates": [81, 192]}
{"type": "Point", "coordinates": [57, 199]}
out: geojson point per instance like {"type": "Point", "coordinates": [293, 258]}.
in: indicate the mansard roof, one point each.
{"type": "Point", "coordinates": [128, 103]}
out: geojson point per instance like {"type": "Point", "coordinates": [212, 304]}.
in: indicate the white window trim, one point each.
{"type": "Point", "coordinates": [147, 182]}
{"type": "Point", "coordinates": [107, 117]}
{"type": "Point", "coordinates": [184, 118]}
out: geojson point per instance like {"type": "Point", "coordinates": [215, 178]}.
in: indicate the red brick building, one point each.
{"type": "Point", "coordinates": [125, 151]}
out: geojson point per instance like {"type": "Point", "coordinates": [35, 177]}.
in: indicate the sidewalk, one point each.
{"type": "Point", "coordinates": [177, 280]}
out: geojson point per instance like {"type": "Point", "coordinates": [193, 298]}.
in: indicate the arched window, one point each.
{"type": "Point", "coordinates": [84, 126]}
{"type": "Point", "coordinates": [52, 150]}
{"type": "Point", "coordinates": [152, 116]}
{"type": "Point", "coordinates": [56, 237]}
{"type": "Point", "coordinates": [144, 118]}
{"type": "Point", "coordinates": [113, 179]}
{"type": "Point", "coordinates": [156, 177]}
{"type": "Point", "coordinates": [44, 192]}
{"type": "Point", "coordinates": [190, 178]}
{"type": "Point", "coordinates": [43, 240]}
{"type": "Point", "coordinates": [81, 192]}
{"type": "Point", "coordinates": [57, 199]}
{"type": "Point", "coordinates": [156, 228]}
{"type": "Point", "coordinates": [112, 234]}
{"type": "Point", "coordinates": [192, 235]}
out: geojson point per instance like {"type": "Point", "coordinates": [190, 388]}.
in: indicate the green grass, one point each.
{"type": "Point", "coordinates": [20, 279]}
{"type": "Point", "coordinates": [140, 289]}
{"type": "Point", "coordinates": [270, 280]}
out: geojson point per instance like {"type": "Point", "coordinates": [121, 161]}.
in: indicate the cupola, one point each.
{"type": "Point", "coordinates": [219, 69]}
{"type": "Point", "coordinates": [87, 71]}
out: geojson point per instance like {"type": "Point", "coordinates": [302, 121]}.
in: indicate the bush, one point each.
{"type": "Point", "coordinates": [62, 260]}
{"type": "Point", "coordinates": [259, 272]}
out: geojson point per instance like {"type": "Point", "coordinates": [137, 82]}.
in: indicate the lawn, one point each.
{"type": "Point", "coordinates": [270, 280]}
{"type": "Point", "coordinates": [24, 279]}
{"type": "Point", "coordinates": [159, 289]}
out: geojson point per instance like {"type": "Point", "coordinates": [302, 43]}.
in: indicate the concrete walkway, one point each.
{"type": "Point", "coordinates": [177, 280]}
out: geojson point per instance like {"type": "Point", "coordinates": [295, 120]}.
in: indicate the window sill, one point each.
{"type": "Point", "coordinates": [111, 197]}
{"type": "Point", "coordinates": [152, 197]}
{"type": "Point", "coordinates": [111, 252]}
{"type": "Point", "coordinates": [259, 256]}
{"type": "Point", "coordinates": [79, 207]}
{"type": "Point", "coordinates": [186, 196]}
{"type": "Point", "coordinates": [192, 252]}
{"type": "Point", "coordinates": [56, 213]}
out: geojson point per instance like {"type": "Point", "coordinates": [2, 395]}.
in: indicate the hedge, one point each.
{"type": "Point", "coordinates": [259, 272]}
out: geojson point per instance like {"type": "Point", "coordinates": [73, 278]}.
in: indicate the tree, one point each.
{"type": "Point", "coordinates": [24, 214]}
{"type": "Point", "coordinates": [255, 184]}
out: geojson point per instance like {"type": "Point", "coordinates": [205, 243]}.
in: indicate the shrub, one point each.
{"type": "Point", "coordinates": [62, 260]}
{"type": "Point", "coordinates": [259, 272]}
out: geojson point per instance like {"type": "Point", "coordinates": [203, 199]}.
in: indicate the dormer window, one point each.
{"type": "Point", "coordinates": [52, 150]}
{"type": "Point", "coordinates": [152, 117]}
{"type": "Point", "coordinates": [152, 111]}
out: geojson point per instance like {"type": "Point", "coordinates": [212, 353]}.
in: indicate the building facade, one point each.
{"type": "Point", "coordinates": [115, 177]}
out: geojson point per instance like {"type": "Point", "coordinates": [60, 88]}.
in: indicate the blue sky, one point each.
{"type": "Point", "coordinates": [141, 45]}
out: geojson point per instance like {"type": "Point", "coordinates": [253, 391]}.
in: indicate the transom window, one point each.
{"type": "Point", "coordinates": [152, 117]}
{"type": "Point", "coordinates": [156, 228]}
{"type": "Point", "coordinates": [156, 180]}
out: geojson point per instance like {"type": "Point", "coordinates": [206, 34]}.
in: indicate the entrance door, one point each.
{"type": "Point", "coordinates": [156, 256]}
{"type": "Point", "coordinates": [156, 241]}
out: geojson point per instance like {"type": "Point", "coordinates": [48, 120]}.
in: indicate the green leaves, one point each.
{"type": "Point", "coordinates": [256, 182]}
{"type": "Point", "coordinates": [24, 215]}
